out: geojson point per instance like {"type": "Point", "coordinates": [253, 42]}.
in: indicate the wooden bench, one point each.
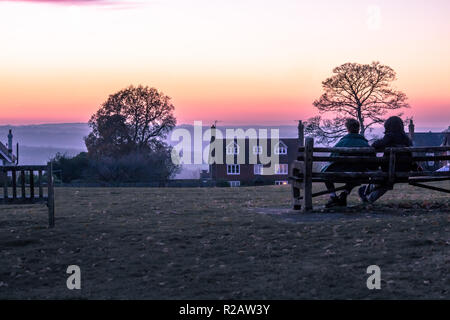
{"type": "Point", "coordinates": [22, 186]}
{"type": "Point", "coordinates": [302, 175]}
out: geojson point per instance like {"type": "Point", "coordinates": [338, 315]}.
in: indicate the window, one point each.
{"type": "Point", "coordinates": [280, 148]}
{"type": "Point", "coordinates": [430, 162]}
{"type": "Point", "coordinates": [233, 148]}
{"type": "Point", "coordinates": [281, 182]}
{"type": "Point", "coordinates": [234, 183]}
{"type": "Point", "coordinates": [257, 169]}
{"type": "Point", "coordinates": [233, 169]}
{"type": "Point", "coordinates": [281, 168]}
{"type": "Point", "coordinates": [257, 150]}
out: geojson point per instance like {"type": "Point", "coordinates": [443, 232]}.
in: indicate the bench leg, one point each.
{"type": "Point", "coordinates": [307, 198]}
{"type": "Point", "coordinates": [296, 169]}
{"type": "Point", "coordinates": [307, 175]}
{"type": "Point", "coordinates": [51, 196]}
{"type": "Point", "coordinates": [51, 214]}
{"type": "Point", "coordinates": [296, 196]}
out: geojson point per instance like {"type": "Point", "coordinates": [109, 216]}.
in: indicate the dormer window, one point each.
{"type": "Point", "coordinates": [233, 148]}
{"type": "Point", "coordinates": [257, 149]}
{"type": "Point", "coordinates": [280, 148]}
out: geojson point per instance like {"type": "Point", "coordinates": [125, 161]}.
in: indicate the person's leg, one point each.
{"type": "Point", "coordinates": [363, 191]}
{"type": "Point", "coordinates": [376, 192]}
{"type": "Point", "coordinates": [330, 188]}
{"type": "Point", "coordinates": [334, 200]}
{"type": "Point", "coordinates": [348, 189]}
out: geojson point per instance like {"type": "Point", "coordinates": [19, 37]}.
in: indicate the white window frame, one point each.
{"type": "Point", "coordinates": [430, 163]}
{"type": "Point", "coordinates": [278, 167]}
{"type": "Point", "coordinates": [258, 171]}
{"type": "Point", "coordinates": [236, 171]}
{"type": "Point", "coordinates": [281, 182]}
{"type": "Point", "coordinates": [257, 149]}
{"type": "Point", "coordinates": [233, 148]}
{"type": "Point", "coordinates": [235, 183]}
{"type": "Point", "coordinates": [280, 148]}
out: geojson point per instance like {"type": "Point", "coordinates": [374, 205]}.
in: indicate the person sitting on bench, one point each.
{"type": "Point", "coordinates": [394, 136]}
{"type": "Point", "coordinates": [352, 140]}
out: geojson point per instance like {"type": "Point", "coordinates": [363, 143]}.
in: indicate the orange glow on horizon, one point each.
{"type": "Point", "coordinates": [238, 62]}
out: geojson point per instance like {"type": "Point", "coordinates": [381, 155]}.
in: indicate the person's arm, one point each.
{"type": "Point", "coordinates": [382, 143]}
{"type": "Point", "coordinates": [337, 145]}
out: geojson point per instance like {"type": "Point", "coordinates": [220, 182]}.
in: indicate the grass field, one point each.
{"type": "Point", "coordinates": [225, 243]}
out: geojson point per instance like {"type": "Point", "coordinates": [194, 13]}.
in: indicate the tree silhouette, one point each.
{"type": "Point", "coordinates": [134, 119]}
{"type": "Point", "coordinates": [360, 91]}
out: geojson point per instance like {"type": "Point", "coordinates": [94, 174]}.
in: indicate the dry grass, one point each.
{"type": "Point", "coordinates": [212, 243]}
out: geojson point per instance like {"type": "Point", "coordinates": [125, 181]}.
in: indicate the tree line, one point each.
{"type": "Point", "coordinates": [126, 143]}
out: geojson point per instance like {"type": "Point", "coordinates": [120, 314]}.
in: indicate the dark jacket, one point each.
{"type": "Point", "coordinates": [395, 136]}
{"type": "Point", "coordinates": [351, 140]}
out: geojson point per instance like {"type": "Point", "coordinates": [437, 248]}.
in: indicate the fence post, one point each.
{"type": "Point", "coordinates": [4, 175]}
{"type": "Point", "coordinates": [14, 184]}
{"type": "Point", "coordinates": [22, 184]}
{"type": "Point", "coordinates": [301, 133]}
{"type": "Point", "coordinates": [295, 170]}
{"type": "Point", "coordinates": [41, 193]}
{"type": "Point", "coordinates": [391, 169]}
{"type": "Point", "coordinates": [51, 196]}
{"type": "Point", "coordinates": [32, 185]}
{"type": "Point", "coordinates": [307, 174]}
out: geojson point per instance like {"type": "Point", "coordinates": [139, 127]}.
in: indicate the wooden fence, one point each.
{"type": "Point", "coordinates": [29, 185]}
{"type": "Point", "coordinates": [302, 175]}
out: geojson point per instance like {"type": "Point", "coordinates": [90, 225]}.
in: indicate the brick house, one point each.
{"type": "Point", "coordinates": [251, 170]}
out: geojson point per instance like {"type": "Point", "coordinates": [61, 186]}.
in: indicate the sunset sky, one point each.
{"type": "Point", "coordinates": [238, 61]}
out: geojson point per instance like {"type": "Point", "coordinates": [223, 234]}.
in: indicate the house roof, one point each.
{"type": "Point", "coordinates": [428, 139]}
{"type": "Point", "coordinates": [4, 154]}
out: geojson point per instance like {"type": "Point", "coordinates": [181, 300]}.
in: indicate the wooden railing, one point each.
{"type": "Point", "coordinates": [302, 175]}
{"type": "Point", "coordinates": [28, 185]}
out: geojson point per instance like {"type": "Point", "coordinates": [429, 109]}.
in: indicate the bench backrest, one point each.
{"type": "Point", "coordinates": [365, 155]}
{"type": "Point", "coordinates": [28, 185]}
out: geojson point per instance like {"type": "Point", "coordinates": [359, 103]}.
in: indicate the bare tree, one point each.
{"type": "Point", "coordinates": [360, 91]}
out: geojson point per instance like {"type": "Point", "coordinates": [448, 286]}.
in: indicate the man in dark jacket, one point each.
{"type": "Point", "coordinates": [352, 140]}
{"type": "Point", "coordinates": [394, 136]}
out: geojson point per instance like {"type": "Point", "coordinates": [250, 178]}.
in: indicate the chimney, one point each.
{"type": "Point", "coordinates": [411, 130]}
{"type": "Point", "coordinates": [301, 133]}
{"type": "Point", "coordinates": [10, 145]}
